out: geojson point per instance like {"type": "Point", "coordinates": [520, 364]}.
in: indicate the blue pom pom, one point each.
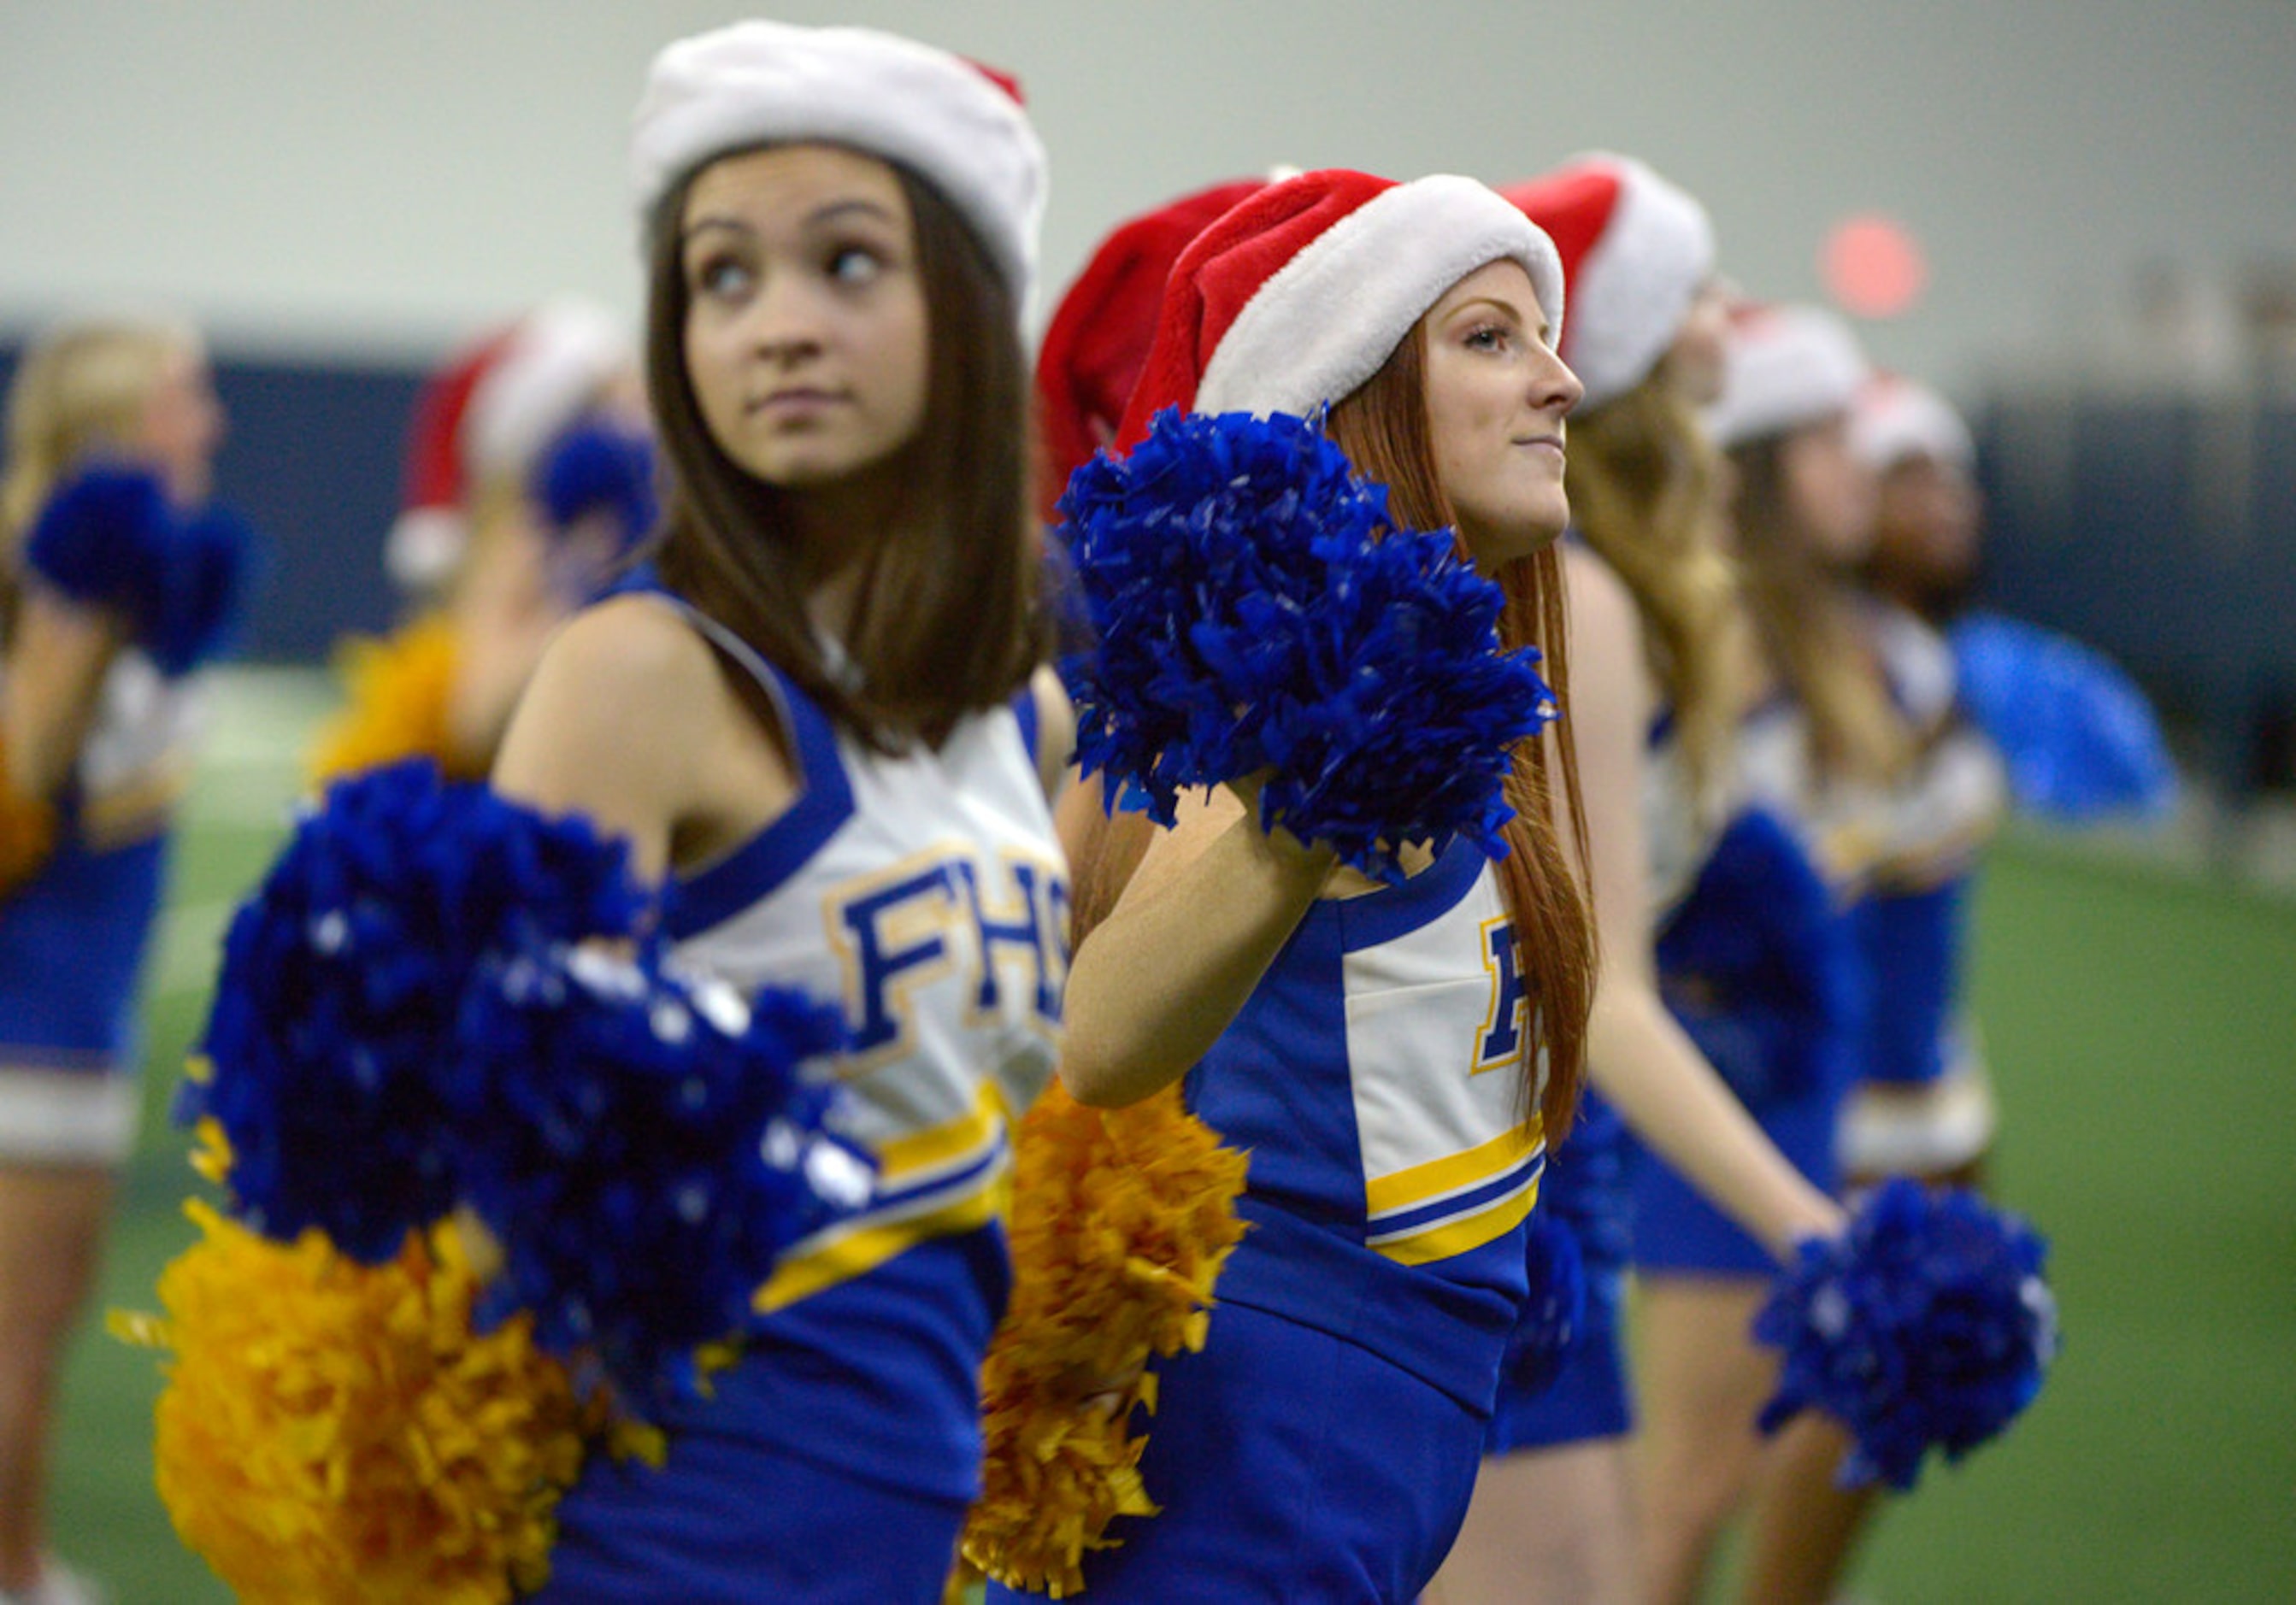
{"type": "Point", "coordinates": [1253, 610]}
{"type": "Point", "coordinates": [1927, 1323]}
{"type": "Point", "coordinates": [341, 980]}
{"type": "Point", "coordinates": [1554, 1314]}
{"type": "Point", "coordinates": [203, 596]}
{"type": "Point", "coordinates": [1760, 966]}
{"type": "Point", "coordinates": [101, 539]}
{"type": "Point", "coordinates": [643, 1147]}
{"type": "Point", "coordinates": [108, 538]}
{"type": "Point", "coordinates": [598, 470]}
{"type": "Point", "coordinates": [2080, 739]}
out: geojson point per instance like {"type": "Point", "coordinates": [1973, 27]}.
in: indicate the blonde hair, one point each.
{"type": "Point", "coordinates": [81, 388]}
{"type": "Point", "coordinates": [1804, 614]}
{"type": "Point", "coordinates": [1641, 478]}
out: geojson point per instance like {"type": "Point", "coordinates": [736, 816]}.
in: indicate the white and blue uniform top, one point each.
{"type": "Point", "coordinates": [135, 764]}
{"type": "Point", "coordinates": [923, 889]}
{"type": "Point", "coordinates": [926, 891]}
{"type": "Point", "coordinates": [1375, 1078]}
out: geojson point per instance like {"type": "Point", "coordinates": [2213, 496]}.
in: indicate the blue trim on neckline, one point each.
{"type": "Point", "coordinates": [753, 871]}
{"type": "Point", "coordinates": [1396, 910]}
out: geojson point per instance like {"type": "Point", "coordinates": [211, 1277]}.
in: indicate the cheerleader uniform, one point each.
{"type": "Point", "coordinates": [1924, 1104]}
{"type": "Point", "coordinates": [835, 1460]}
{"type": "Point", "coordinates": [1324, 1444]}
{"type": "Point", "coordinates": [1759, 965]}
{"type": "Point", "coordinates": [73, 937]}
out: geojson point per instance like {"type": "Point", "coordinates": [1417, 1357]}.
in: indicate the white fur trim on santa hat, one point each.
{"type": "Point", "coordinates": [762, 83]}
{"type": "Point", "coordinates": [1636, 283]}
{"type": "Point", "coordinates": [424, 547]}
{"type": "Point", "coordinates": [1785, 367]}
{"type": "Point", "coordinates": [558, 357]}
{"type": "Point", "coordinates": [1896, 419]}
{"type": "Point", "coordinates": [1327, 320]}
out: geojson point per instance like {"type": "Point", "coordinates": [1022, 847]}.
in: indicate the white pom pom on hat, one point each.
{"type": "Point", "coordinates": [1784, 367]}
{"type": "Point", "coordinates": [1297, 295]}
{"type": "Point", "coordinates": [1635, 251]}
{"type": "Point", "coordinates": [956, 124]}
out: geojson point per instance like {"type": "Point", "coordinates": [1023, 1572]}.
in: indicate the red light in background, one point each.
{"type": "Point", "coordinates": [1872, 266]}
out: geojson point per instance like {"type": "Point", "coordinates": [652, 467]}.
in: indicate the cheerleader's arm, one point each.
{"type": "Point", "coordinates": [1156, 982]}
{"type": "Point", "coordinates": [1638, 1057]}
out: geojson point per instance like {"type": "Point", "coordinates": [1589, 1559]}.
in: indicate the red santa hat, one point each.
{"type": "Point", "coordinates": [1895, 419]}
{"type": "Point", "coordinates": [1098, 339]}
{"type": "Point", "coordinates": [1296, 296]}
{"type": "Point", "coordinates": [1784, 367]}
{"type": "Point", "coordinates": [956, 124]}
{"type": "Point", "coordinates": [1636, 249]}
{"type": "Point", "coordinates": [487, 415]}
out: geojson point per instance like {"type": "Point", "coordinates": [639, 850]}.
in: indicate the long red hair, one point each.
{"type": "Point", "coordinates": [1383, 427]}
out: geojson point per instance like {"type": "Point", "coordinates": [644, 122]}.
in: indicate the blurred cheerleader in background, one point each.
{"type": "Point", "coordinates": [530, 482]}
{"type": "Point", "coordinates": [1658, 650]}
{"type": "Point", "coordinates": [117, 582]}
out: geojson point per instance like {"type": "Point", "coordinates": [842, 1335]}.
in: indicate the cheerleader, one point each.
{"type": "Point", "coordinates": [528, 477]}
{"type": "Point", "coordinates": [1390, 1055]}
{"type": "Point", "coordinates": [1657, 638]}
{"type": "Point", "coordinates": [113, 589]}
{"type": "Point", "coordinates": [1923, 1106]}
{"type": "Point", "coordinates": [822, 733]}
{"type": "Point", "coordinates": [1760, 961]}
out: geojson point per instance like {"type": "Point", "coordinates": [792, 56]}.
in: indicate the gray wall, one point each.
{"type": "Point", "coordinates": [374, 180]}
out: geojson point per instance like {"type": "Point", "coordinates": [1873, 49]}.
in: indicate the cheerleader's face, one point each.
{"type": "Point", "coordinates": [806, 329]}
{"type": "Point", "coordinates": [1926, 529]}
{"type": "Point", "coordinates": [1497, 397]}
{"type": "Point", "coordinates": [181, 426]}
{"type": "Point", "coordinates": [1830, 492]}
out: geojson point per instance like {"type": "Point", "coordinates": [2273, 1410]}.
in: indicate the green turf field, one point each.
{"type": "Point", "coordinates": [2140, 1025]}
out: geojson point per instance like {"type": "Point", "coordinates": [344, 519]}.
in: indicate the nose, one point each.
{"type": "Point", "coordinates": [783, 323]}
{"type": "Point", "coordinates": [1554, 387]}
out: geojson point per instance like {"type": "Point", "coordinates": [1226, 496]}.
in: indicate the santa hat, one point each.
{"type": "Point", "coordinates": [1098, 340]}
{"type": "Point", "coordinates": [1895, 419]}
{"type": "Point", "coordinates": [488, 414]}
{"type": "Point", "coordinates": [1636, 249]}
{"type": "Point", "coordinates": [1784, 367]}
{"type": "Point", "coordinates": [1298, 295]}
{"type": "Point", "coordinates": [956, 124]}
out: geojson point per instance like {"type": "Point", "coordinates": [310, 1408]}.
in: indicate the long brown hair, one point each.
{"type": "Point", "coordinates": [1383, 427]}
{"type": "Point", "coordinates": [947, 621]}
{"type": "Point", "coordinates": [1642, 478]}
{"type": "Point", "coordinates": [1803, 614]}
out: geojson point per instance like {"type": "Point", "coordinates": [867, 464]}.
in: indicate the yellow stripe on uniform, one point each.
{"type": "Point", "coordinates": [1459, 1234]}
{"type": "Point", "coordinates": [866, 1250]}
{"type": "Point", "coordinates": [1403, 1189]}
{"type": "Point", "coordinates": [863, 1244]}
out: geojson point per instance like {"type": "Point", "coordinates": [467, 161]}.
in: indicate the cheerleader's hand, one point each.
{"type": "Point", "coordinates": [1926, 1324]}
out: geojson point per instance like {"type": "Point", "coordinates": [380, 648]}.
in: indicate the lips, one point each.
{"type": "Point", "coordinates": [797, 402]}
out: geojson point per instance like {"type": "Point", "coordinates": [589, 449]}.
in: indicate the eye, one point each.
{"type": "Point", "coordinates": [855, 265]}
{"type": "Point", "coordinates": [1488, 336]}
{"type": "Point", "coordinates": [721, 276]}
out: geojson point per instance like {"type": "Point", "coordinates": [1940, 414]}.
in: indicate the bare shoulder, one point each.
{"type": "Point", "coordinates": [1605, 623]}
{"type": "Point", "coordinates": [614, 721]}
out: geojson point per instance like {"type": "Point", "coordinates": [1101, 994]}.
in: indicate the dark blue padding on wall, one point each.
{"type": "Point", "coordinates": [313, 460]}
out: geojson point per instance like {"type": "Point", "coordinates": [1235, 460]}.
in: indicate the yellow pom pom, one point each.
{"type": "Point", "coordinates": [398, 690]}
{"type": "Point", "coordinates": [333, 1431]}
{"type": "Point", "coordinates": [1121, 1221]}
{"type": "Point", "coordinates": [27, 832]}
